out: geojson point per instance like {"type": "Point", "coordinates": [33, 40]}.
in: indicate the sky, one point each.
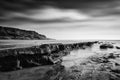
{"type": "Point", "coordinates": [64, 19]}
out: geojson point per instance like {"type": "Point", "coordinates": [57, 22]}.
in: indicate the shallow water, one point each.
{"type": "Point", "coordinates": [78, 56]}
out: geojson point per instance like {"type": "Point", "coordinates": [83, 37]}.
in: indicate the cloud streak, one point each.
{"type": "Point", "coordinates": [44, 10]}
{"type": "Point", "coordinates": [64, 19]}
{"type": "Point", "coordinates": [50, 13]}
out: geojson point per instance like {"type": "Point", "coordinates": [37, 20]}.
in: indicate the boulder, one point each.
{"type": "Point", "coordinates": [106, 46]}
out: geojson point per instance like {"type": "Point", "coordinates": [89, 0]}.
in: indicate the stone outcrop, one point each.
{"type": "Point", "coordinates": [14, 33]}
{"type": "Point", "coordinates": [117, 47]}
{"type": "Point", "coordinates": [46, 54]}
{"type": "Point", "coordinates": [106, 46]}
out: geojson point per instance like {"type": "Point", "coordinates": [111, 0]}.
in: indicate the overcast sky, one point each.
{"type": "Point", "coordinates": [64, 19]}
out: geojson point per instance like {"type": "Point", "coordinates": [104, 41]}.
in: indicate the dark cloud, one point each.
{"type": "Point", "coordinates": [27, 20]}
{"type": "Point", "coordinates": [21, 5]}
{"type": "Point", "coordinates": [9, 7]}
{"type": "Point", "coordinates": [64, 19]}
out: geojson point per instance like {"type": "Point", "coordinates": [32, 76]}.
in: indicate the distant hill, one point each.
{"type": "Point", "coordinates": [19, 34]}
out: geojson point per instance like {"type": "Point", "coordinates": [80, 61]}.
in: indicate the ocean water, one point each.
{"type": "Point", "coordinates": [78, 56]}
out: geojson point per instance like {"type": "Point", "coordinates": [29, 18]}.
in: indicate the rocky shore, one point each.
{"type": "Point", "coordinates": [43, 62]}
{"type": "Point", "coordinates": [45, 54]}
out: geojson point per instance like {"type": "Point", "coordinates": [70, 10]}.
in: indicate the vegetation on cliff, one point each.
{"type": "Point", "coordinates": [19, 34]}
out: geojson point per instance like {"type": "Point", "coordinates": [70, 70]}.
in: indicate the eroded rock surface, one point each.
{"type": "Point", "coordinates": [46, 54]}
{"type": "Point", "coordinates": [100, 66]}
{"type": "Point", "coordinates": [106, 46]}
{"type": "Point", "coordinates": [96, 67]}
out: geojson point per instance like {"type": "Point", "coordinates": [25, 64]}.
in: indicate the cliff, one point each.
{"type": "Point", "coordinates": [19, 34]}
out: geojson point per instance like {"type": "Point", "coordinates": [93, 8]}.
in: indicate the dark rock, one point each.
{"type": "Point", "coordinates": [111, 56]}
{"type": "Point", "coordinates": [117, 47]}
{"type": "Point", "coordinates": [106, 46]}
{"type": "Point", "coordinates": [45, 54]}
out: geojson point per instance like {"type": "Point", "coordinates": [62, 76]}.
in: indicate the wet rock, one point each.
{"type": "Point", "coordinates": [111, 56]}
{"type": "Point", "coordinates": [45, 54]}
{"type": "Point", "coordinates": [106, 46]}
{"type": "Point", "coordinates": [117, 47]}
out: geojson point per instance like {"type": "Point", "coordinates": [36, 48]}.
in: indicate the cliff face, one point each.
{"type": "Point", "coordinates": [14, 33]}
